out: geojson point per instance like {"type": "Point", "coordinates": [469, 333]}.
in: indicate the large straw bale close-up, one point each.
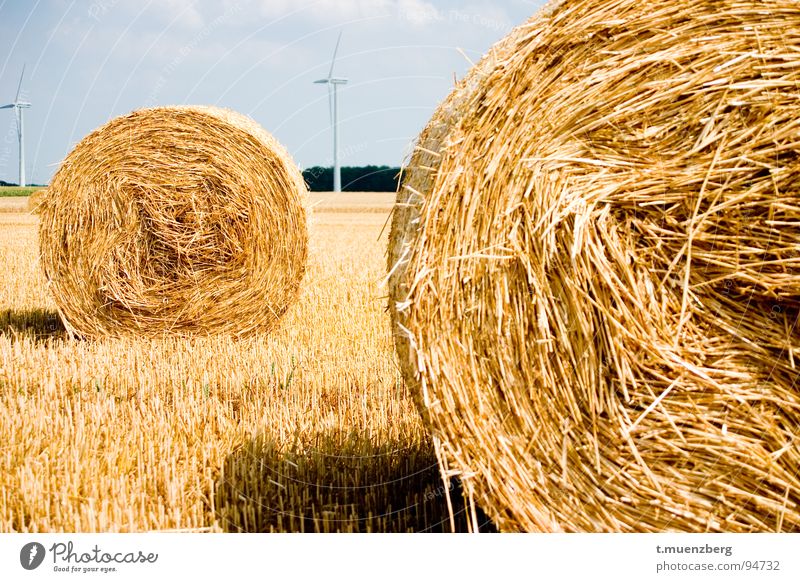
{"type": "Point", "coordinates": [174, 220]}
{"type": "Point", "coordinates": [594, 270]}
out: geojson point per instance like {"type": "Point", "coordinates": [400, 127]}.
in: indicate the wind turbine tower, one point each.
{"type": "Point", "coordinates": [18, 107]}
{"type": "Point", "coordinates": [333, 103]}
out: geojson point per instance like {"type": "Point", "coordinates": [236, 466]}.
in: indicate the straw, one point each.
{"type": "Point", "coordinates": [595, 270]}
{"type": "Point", "coordinates": [178, 220]}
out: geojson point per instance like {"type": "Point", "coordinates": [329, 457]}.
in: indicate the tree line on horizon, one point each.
{"type": "Point", "coordinates": [4, 184]}
{"type": "Point", "coordinates": [354, 178]}
{"type": "Point", "coordinates": [319, 179]}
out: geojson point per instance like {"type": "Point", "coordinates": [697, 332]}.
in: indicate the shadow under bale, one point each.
{"type": "Point", "coordinates": [363, 487]}
{"type": "Point", "coordinates": [40, 324]}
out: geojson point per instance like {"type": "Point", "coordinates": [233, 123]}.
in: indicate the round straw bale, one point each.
{"type": "Point", "coordinates": [595, 270]}
{"type": "Point", "coordinates": [181, 220]}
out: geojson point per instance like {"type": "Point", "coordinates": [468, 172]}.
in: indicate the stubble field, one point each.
{"type": "Point", "coordinates": [309, 428]}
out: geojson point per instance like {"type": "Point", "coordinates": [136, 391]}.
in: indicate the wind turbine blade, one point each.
{"type": "Point", "coordinates": [335, 52]}
{"type": "Point", "coordinates": [7, 106]}
{"type": "Point", "coordinates": [19, 87]}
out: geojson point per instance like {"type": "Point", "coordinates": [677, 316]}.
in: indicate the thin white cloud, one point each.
{"type": "Point", "coordinates": [418, 12]}
{"type": "Point", "coordinates": [413, 11]}
{"type": "Point", "coordinates": [326, 9]}
{"type": "Point", "coordinates": [185, 12]}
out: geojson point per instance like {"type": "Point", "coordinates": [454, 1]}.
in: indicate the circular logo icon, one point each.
{"type": "Point", "coordinates": [31, 555]}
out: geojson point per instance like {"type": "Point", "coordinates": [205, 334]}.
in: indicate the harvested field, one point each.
{"type": "Point", "coordinates": [309, 428]}
{"type": "Point", "coordinates": [18, 204]}
{"type": "Point", "coordinates": [351, 202]}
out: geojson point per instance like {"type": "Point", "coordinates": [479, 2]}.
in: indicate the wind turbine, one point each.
{"type": "Point", "coordinates": [18, 106]}
{"type": "Point", "coordinates": [333, 102]}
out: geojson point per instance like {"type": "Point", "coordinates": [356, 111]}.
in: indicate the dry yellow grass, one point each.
{"type": "Point", "coordinates": [352, 202]}
{"type": "Point", "coordinates": [14, 204]}
{"type": "Point", "coordinates": [309, 428]}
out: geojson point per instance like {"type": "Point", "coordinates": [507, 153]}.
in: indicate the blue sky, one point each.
{"type": "Point", "coordinates": [89, 61]}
